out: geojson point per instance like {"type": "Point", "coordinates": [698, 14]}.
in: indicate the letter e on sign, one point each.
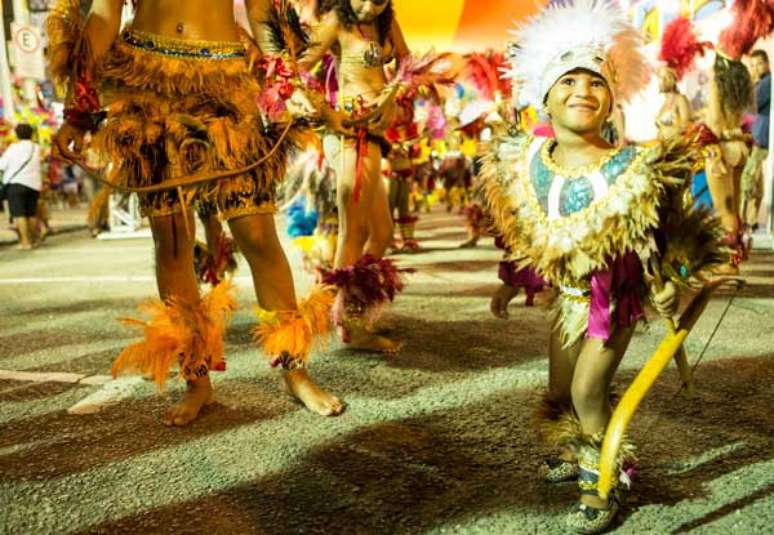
{"type": "Point", "coordinates": [28, 52]}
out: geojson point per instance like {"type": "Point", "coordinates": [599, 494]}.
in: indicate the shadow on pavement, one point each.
{"type": "Point", "coordinates": [684, 444]}
{"type": "Point", "coordinates": [468, 345]}
{"type": "Point", "coordinates": [77, 306]}
{"type": "Point", "coordinates": [53, 337]}
{"type": "Point", "coordinates": [414, 474]}
{"type": "Point", "coordinates": [727, 509]}
{"type": "Point", "coordinates": [403, 476]}
{"type": "Point", "coordinates": [464, 266]}
{"type": "Point", "coordinates": [66, 444]}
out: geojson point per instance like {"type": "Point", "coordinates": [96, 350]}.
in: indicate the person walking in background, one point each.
{"type": "Point", "coordinates": [752, 176]}
{"type": "Point", "coordinates": [20, 165]}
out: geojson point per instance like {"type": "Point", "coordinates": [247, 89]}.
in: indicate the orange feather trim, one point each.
{"type": "Point", "coordinates": [178, 332]}
{"type": "Point", "coordinates": [293, 332]}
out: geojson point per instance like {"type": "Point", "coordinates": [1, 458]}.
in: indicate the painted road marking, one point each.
{"type": "Point", "coordinates": [110, 393]}
{"type": "Point", "coordinates": [54, 377]}
{"type": "Point", "coordinates": [93, 279]}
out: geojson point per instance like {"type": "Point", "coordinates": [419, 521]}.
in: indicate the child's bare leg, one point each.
{"type": "Point", "coordinates": [561, 367]}
{"type": "Point", "coordinates": [594, 371]}
{"type": "Point", "coordinates": [500, 300]}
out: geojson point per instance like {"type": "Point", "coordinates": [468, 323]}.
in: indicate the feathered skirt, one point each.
{"type": "Point", "coordinates": [178, 107]}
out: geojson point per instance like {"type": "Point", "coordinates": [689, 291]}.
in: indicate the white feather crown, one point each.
{"type": "Point", "coordinates": [588, 34]}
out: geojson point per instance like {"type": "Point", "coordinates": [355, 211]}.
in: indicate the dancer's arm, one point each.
{"type": "Point", "coordinates": [399, 42]}
{"type": "Point", "coordinates": [683, 112]}
{"type": "Point", "coordinates": [102, 26]}
{"type": "Point", "coordinates": [84, 54]}
{"type": "Point", "coordinates": [324, 36]}
{"type": "Point", "coordinates": [715, 116]}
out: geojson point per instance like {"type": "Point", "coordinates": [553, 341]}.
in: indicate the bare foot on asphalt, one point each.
{"type": "Point", "coordinates": [367, 341]}
{"type": "Point", "coordinates": [303, 388]}
{"type": "Point", "coordinates": [198, 394]}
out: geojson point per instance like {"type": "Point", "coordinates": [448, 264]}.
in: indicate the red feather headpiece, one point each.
{"type": "Point", "coordinates": [753, 19]}
{"type": "Point", "coordinates": [484, 71]}
{"type": "Point", "coordinates": [679, 46]}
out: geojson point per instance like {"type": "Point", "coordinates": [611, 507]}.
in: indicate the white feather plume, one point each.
{"type": "Point", "coordinates": [580, 24]}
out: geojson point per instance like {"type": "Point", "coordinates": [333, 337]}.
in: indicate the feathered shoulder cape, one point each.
{"type": "Point", "coordinates": [567, 250]}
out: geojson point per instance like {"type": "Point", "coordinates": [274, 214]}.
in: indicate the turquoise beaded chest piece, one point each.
{"type": "Point", "coordinates": [562, 193]}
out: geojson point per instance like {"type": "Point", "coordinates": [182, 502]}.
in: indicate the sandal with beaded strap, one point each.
{"type": "Point", "coordinates": [558, 470]}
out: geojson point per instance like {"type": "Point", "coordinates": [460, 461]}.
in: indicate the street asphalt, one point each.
{"type": "Point", "coordinates": [435, 439]}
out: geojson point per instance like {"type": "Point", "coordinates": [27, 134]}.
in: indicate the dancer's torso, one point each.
{"type": "Point", "coordinates": [195, 20]}
{"type": "Point", "coordinates": [668, 118]}
{"type": "Point", "coordinates": [361, 62]}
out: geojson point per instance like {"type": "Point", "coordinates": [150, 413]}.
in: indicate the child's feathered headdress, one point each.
{"type": "Point", "coordinates": [586, 34]}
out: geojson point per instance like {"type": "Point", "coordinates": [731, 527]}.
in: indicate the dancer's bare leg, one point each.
{"type": "Point", "coordinates": [379, 236]}
{"type": "Point", "coordinates": [392, 196]}
{"type": "Point", "coordinates": [594, 371]}
{"type": "Point", "coordinates": [736, 181]}
{"type": "Point", "coordinates": [380, 227]}
{"type": "Point", "coordinates": [561, 367]}
{"type": "Point", "coordinates": [471, 242]}
{"type": "Point", "coordinates": [175, 277]}
{"type": "Point", "coordinates": [407, 228]}
{"type": "Point", "coordinates": [754, 188]}
{"type": "Point", "coordinates": [257, 238]}
{"type": "Point", "coordinates": [721, 182]}
{"type": "Point", "coordinates": [213, 230]}
{"type": "Point", "coordinates": [365, 225]}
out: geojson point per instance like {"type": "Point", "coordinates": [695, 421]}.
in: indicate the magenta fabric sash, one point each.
{"type": "Point", "coordinates": [526, 278]}
{"type": "Point", "coordinates": [622, 281]}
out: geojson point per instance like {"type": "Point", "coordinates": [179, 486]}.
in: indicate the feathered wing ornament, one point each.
{"type": "Point", "coordinates": [286, 30]}
{"type": "Point", "coordinates": [752, 19]}
{"type": "Point", "coordinates": [679, 46]}
{"type": "Point", "coordinates": [577, 34]}
{"type": "Point", "coordinates": [278, 70]}
{"type": "Point", "coordinates": [692, 234]}
{"type": "Point", "coordinates": [426, 73]}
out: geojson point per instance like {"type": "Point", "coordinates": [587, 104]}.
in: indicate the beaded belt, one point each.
{"type": "Point", "coordinates": [182, 48]}
{"type": "Point", "coordinates": [581, 295]}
